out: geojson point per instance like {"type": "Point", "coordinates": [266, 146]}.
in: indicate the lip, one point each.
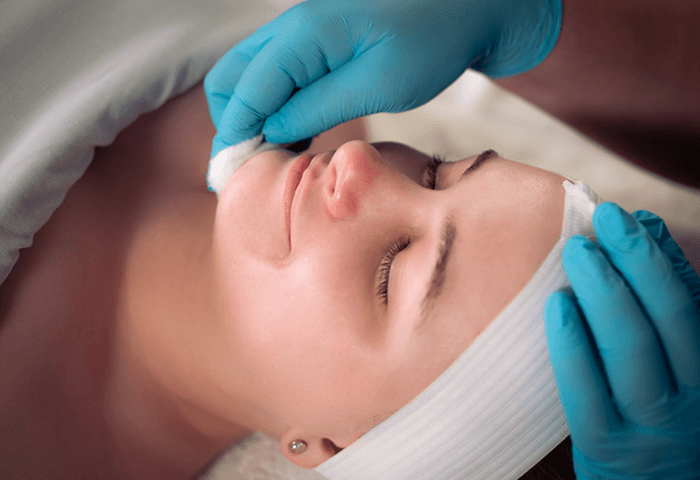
{"type": "Point", "coordinates": [296, 171]}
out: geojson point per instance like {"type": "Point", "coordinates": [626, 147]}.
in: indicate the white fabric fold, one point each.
{"type": "Point", "coordinates": [76, 72]}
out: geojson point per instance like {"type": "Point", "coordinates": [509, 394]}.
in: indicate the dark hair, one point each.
{"type": "Point", "coordinates": [557, 465]}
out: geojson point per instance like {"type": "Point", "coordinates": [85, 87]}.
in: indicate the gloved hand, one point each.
{"type": "Point", "coordinates": [626, 351]}
{"type": "Point", "coordinates": [351, 58]}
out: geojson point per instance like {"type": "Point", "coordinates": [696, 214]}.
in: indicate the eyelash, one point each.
{"type": "Point", "coordinates": [401, 244]}
{"type": "Point", "coordinates": [431, 171]}
{"type": "Point", "coordinates": [385, 267]}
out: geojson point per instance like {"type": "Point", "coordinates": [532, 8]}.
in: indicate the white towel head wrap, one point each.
{"type": "Point", "coordinates": [495, 412]}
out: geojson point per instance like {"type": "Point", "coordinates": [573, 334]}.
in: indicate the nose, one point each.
{"type": "Point", "coordinates": [351, 172]}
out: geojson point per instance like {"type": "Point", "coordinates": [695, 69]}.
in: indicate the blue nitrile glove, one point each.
{"type": "Point", "coordinates": [351, 58]}
{"type": "Point", "coordinates": [626, 355]}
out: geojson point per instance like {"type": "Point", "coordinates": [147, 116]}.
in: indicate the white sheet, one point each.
{"type": "Point", "coordinates": [73, 73]}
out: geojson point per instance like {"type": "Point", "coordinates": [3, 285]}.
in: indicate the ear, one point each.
{"type": "Point", "coordinates": [318, 449]}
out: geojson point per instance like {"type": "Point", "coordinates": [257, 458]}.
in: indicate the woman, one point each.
{"type": "Point", "coordinates": [621, 72]}
{"type": "Point", "coordinates": [107, 374]}
{"type": "Point", "coordinates": [149, 326]}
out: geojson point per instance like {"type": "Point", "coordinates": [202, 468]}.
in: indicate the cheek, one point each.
{"type": "Point", "coordinates": [303, 358]}
{"type": "Point", "coordinates": [299, 334]}
{"type": "Point", "coordinates": [284, 324]}
{"type": "Point", "coordinates": [250, 213]}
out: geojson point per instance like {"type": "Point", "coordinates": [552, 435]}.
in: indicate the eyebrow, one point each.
{"type": "Point", "coordinates": [447, 239]}
{"type": "Point", "coordinates": [480, 160]}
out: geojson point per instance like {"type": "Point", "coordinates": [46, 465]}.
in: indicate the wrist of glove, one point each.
{"type": "Point", "coordinates": [519, 45]}
{"type": "Point", "coordinates": [626, 351]}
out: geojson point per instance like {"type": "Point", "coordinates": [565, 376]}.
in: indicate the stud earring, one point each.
{"type": "Point", "coordinates": [297, 446]}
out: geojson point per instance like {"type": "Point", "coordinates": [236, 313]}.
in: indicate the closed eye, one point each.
{"type": "Point", "coordinates": [385, 267]}
{"type": "Point", "coordinates": [430, 172]}
{"type": "Point", "coordinates": [430, 181]}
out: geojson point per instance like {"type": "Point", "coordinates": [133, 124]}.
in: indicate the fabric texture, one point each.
{"type": "Point", "coordinates": [495, 412]}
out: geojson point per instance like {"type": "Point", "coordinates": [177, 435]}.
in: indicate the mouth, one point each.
{"type": "Point", "coordinates": [296, 171]}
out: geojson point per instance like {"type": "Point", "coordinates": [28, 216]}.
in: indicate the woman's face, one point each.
{"type": "Point", "coordinates": [348, 294]}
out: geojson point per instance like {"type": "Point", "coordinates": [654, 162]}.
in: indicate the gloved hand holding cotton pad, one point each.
{"type": "Point", "coordinates": [224, 163]}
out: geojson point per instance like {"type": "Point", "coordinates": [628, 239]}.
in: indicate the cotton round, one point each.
{"type": "Point", "coordinates": [227, 161]}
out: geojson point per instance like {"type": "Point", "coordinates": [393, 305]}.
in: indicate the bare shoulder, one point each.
{"type": "Point", "coordinates": [59, 304]}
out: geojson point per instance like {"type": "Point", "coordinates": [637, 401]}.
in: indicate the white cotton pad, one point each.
{"type": "Point", "coordinates": [227, 161]}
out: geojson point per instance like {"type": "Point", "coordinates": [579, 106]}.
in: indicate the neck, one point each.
{"type": "Point", "coordinates": [161, 397]}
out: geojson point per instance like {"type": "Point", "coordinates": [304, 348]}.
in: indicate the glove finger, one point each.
{"type": "Point", "coordinates": [239, 122]}
{"type": "Point", "coordinates": [329, 101]}
{"type": "Point", "coordinates": [658, 231]}
{"type": "Point", "coordinates": [578, 371]}
{"type": "Point", "coordinates": [661, 292]}
{"type": "Point", "coordinates": [634, 361]}
{"type": "Point", "coordinates": [261, 90]}
{"type": "Point", "coordinates": [220, 82]}
{"type": "Point", "coordinates": [270, 78]}
{"type": "Point", "coordinates": [356, 89]}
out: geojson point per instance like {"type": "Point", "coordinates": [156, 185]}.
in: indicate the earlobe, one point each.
{"type": "Point", "coordinates": [305, 450]}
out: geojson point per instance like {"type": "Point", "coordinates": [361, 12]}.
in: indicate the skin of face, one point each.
{"type": "Point", "coordinates": [312, 351]}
